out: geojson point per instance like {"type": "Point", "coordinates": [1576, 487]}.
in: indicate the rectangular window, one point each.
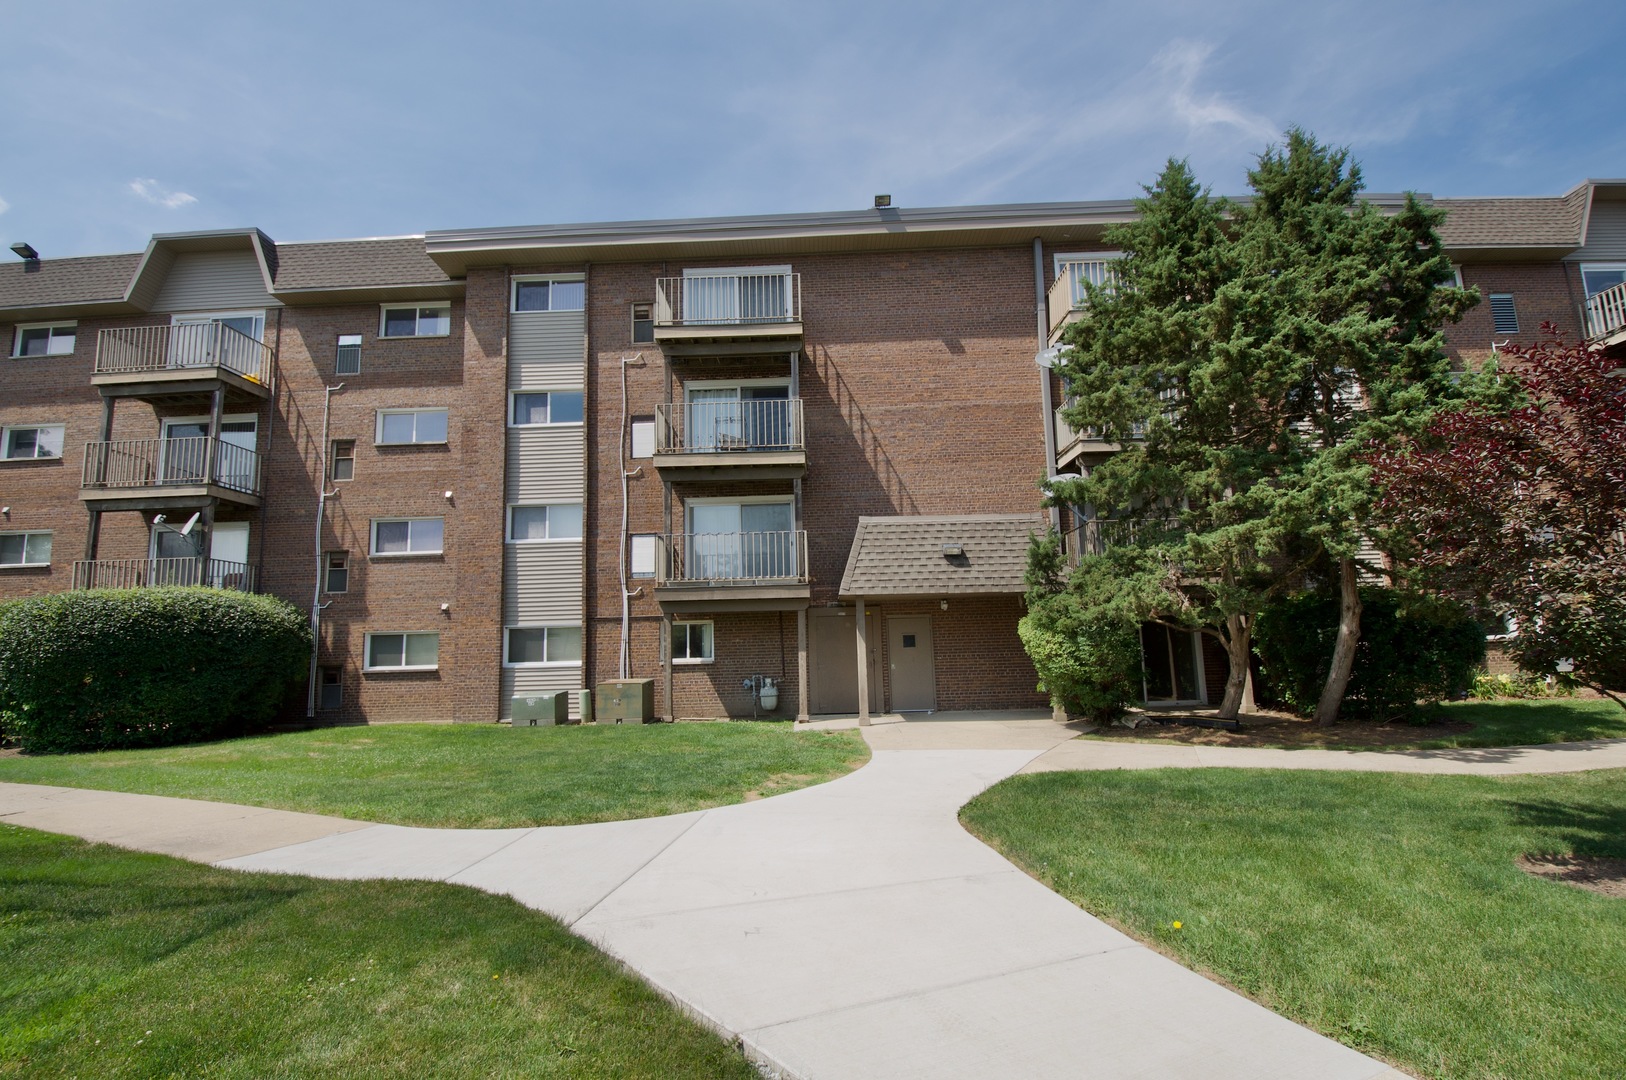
{"type": "Point", "coordinates": [403, 652]}
{"type": "Point", "coordinates": [416, 320]}
{"type": "Point", "coordinates": [528, 645]}
{"type": "Point", "coordinates": [555, 521]}
{"type": "Point", "coordinates": [644, 548]}
{"type": "Point", "coordinates": [56, 339]}
{"type": "Point", "coordinates": [343, 460]}
{"type": "Point", "coordinates": [400, 427]}
{"type": "Point", "coordinates": [25, 549]}
{"type": "Point", "coordinates": [643, 324]}
{"type": "Point", "coordinates": [553, 407]}
{"type": "Point", "coordinates": [44, 441]}
{"type": "Point", "coordinates": [332, 695]}
{"type": "Point", "coordinates": [348, 359]}
{"type": "Point", "coordinates": [549, 294]}
{"type": "Point", "coordinates": [693, 643]}
{"type": "Point", "coordinates": [408, 536]}
{"type": "Point", "coordinates": [643, 438]}
{"type": "Point", "coordinates": [336, 566]}
{"type": "Point", "coordinates": [1597, 278]}
{"type": "Point", "coordinates": [1504, 319]}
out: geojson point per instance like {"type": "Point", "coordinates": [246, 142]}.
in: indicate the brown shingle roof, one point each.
{"type": "Point", "coordinates": [95, 278]}
{"type": "Point", "coordinates": [349, 264]}
{"type": "Point", "coordinates": [903, 556]}
{"type": "Point", "coordinates": [1471, 223]}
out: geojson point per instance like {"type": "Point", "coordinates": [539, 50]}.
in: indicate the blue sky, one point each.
{"type": "Point", "coordinates": [341, 119]}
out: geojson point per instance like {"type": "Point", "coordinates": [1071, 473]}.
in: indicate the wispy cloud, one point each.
{"type": "Point", "coordinates": [4, 206]}
{"type": "Point", "coordinates": [150, 190]}
{"type": "Point", "coordinates": [1181, 62]}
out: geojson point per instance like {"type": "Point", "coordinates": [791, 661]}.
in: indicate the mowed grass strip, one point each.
{"type": "Point", "coordinates": [1531, 723]}
{"type": "Point", "coordinates": [472, 776]}
{"type": "Point", "coordinates": [117, 964]}
{"type": "Point", "coordinates": [1384, 911]}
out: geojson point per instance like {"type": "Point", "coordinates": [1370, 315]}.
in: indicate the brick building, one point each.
{"type": "Point", "coordinates": [730, 455]}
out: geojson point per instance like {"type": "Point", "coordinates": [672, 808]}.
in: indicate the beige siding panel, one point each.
{"type": "Point", "coordinates": [539, 681]}
{"type": "Point", "coordinates": [542, 583]}
{"type": "Point", "coordinates": [213, 281]}
{"type": "Point", "coordinates": [546, 464]}
{"type": "Point", "coordinates": [1605, 234]}
{"type": "Point", "coordinates": [547, 350]}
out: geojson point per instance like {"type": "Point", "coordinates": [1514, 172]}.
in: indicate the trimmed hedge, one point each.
{"type": "Point", "coordinates": [112, 669]}
{"type": "Point", "coordinates": [1087, 662]}
{"type": "Point", "coordinates": [1414, 652]}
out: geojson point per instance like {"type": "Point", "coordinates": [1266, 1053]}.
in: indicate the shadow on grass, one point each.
{"type": "Point", "coordinates": [1585, 828]}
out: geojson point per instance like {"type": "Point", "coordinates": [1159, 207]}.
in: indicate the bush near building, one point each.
{"type": "Point", "coordinates": [125, 668]}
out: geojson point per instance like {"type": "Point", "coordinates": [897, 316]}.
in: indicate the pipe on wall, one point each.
{"type": "Point", "coordinates": [1046, 402]}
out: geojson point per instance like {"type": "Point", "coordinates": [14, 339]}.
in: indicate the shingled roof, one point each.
{"type": "Point", "coordinates": [1496, 223]}
{"type": "Point", "coordinates": [49, 282]}
{"type": "Point", "coordinates": [903, 556]}
{"type": "Point", "coordinates": [345, 264]}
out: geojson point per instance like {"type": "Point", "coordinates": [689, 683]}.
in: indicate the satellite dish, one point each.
{"type": "Point", "coordinates": [191, 523]}
{"type": "Point", "coordinates": [1048, 358]}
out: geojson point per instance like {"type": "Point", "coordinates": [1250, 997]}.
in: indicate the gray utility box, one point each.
{"type": "Point", "coordinates": [584, 706]}
{"type": "Point", "coordinates": [624, 701]}
{"type": "Point", "coordinates": [541, 710]}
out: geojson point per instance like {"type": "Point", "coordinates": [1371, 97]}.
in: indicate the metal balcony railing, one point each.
{"type": "Point", "coordinates": [742, 557]}
{"type": "Point", "coordinates": [134, 349]}
{"type": "Point", "coordinates": [157, 463]}
{"type": "Point", "coordinates": [1606, 312]}
{"type": "Point", "coordinates": [715, 427]}
{"type": "Point", "coordinates": [151, 573]}
{"type": "Point", "coordinates": [1067, 295]}
{"type": "Point", "coordinates": [740, 299]}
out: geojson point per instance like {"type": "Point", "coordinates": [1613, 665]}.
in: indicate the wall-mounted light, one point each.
{"type": "Point", "coordinates": [6, 510]}
{"type": "Point", "coordinates": [159, 519]}
{"type": "Point", "coordinates": [25, 251]}
{"type": "Point", "coordinates": [448, 496]}
{"type": "Point", "coordinates": [943, 604]}
{"type": "Point", "coordinates": [953, 551]}
{"type": "Point", "coordinates": [882, 202]}
{"type": "Point", "coordinates": [445, 609]}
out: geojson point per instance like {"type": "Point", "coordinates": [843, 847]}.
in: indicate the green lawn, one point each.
{"type": "Point", "coordinates": [1384, 911]}
{"type": "Point", "coordinates": [469, 776]}
{"type": "Point", "coordinates": [1530, 723]}
{"type": "Point", "coordinates": [116, 964]}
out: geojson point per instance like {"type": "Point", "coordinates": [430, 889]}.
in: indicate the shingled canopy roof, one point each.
{"type": "Point", "coordinates": [903, 556]}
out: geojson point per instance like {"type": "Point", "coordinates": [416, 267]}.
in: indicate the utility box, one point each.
{"type": "Point", "coordinates": [540, 710]}
{"type": "Point", "coordinates": [624, 701]}
{"type": "Point", "coordinates": [584, 706]}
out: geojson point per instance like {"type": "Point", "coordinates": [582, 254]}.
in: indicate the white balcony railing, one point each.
{"type": "Point", "coordinates": [134, 349]}
{"type": "Point", "coordinates": [712, 427]}
{"type": "Point", "coordinates": [736, 299]}
{"type": "Point", "coordinates": [157, 463]}
{"type": "Point", "coordinates": [150, 573]}
{"type": "Point", "coordinates": [1606, 313]}
{"type": "Point", "coordinates": [738, 558]}
{"type": "Point", "coordinates": [1068, 295]}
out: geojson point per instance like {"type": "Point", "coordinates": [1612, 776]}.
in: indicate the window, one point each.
{"type": "Point", "coordinates": [692, 643]}
{"type": "Point", "coordinates": [336, 572]}
{"type": "Point", "coordinates": [1597, 278]}
{"type": "Point", "coordinates": [644, 549]}
{"type": "Point", "coordinates": [348, 359]}
{"type": "Point", "coordinates": [25, 549]}
{"type": "Point", "coordinates": [556, 521]}
{"type": "Point", "coordinates": [44, 441]}
{"type": "Point", "coordinates": [403, 652]}
{"type": "Point", "coordinates": [1455, 280]}
{"type": "Point", "coordinates": [406, 426]}
{"type": "Point", "coordinates": [643, 324]}
{"type": "Point", "coordinates": [417, 320]}
{"type": "Point", "coordinates": [549, 294]}
{"type": "Point", "coordinates": [408, 536]}
{"type": "Point", "coordinates": [55, 339]}
{"type": "Point", "coordinates": [1504, 319]}
{"type": "Point", "coordinates": [643, 438]}
{"type": "Point", "coordinates": [343, 459]}
{"type": "Point", "coordinates": [553, 407]}
{"type": "Point", "coordinates": [526, 645]}
{"type": "Point", "coordinates": [332, 695]}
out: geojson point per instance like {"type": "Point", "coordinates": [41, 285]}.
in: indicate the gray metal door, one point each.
{"type": "Point", "coordinates": [914, 673]}
{"type": "Point", "coordinates": [833, 665]}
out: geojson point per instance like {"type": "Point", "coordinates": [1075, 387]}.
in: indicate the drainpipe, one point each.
{"type": "Point", "coordinates": [322, 496]}
{"type": "Point", "coordinates": [621, 464]}
{"type": "Point", "coordinates": [1046, 402]}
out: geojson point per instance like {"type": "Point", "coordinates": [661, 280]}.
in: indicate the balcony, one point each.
{"type": "Point", "coordinates": [138, 474]}
{"type": "Point", "coordinates": [181, 361]}
{"type": "Point", "coordinates": [1605, 315]}
{"type": "Point", "coordinates": [1072, 444]}
{"type": "Point", "coordinates": [750, 439]}
{"type": "Point", "coordinates": [152, 573]}
{"type": "Point", "coordinates": [1067, 299]}
{"type": "Point", "coordinates": [737, 307]}
{"type": "Point", "coordinates": [743, 571]}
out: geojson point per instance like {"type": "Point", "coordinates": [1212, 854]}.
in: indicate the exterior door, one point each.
{"type": "Point", "coordinates": [185, 448]}
{"type": "Point", "coordinates": [914, 672]}
{"type": "Point", "coordinates": [174, 559]}
{"type": "Point", "coordinates": [833, 662]}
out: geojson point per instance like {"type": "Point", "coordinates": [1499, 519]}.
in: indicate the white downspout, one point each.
{"type": "Point", "coordinates": [626, 597]}
{"type": "Point", "coordinates": [322, 495]}
{"type": "Point", "coordinates": [1042, 315]}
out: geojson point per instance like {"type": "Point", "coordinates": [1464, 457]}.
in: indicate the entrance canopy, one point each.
{"type": "Point", "coordinates": [948, 555]}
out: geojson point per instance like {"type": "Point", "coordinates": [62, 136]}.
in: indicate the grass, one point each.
{"type": "Point", "coordinates": [117, 964]}
{"type": "Point", "coordinates": [1384, 911]}
{"type": "Point", "coordinates": [1530, 723]}
{"type": "Point", "coordinates": [469, 776]}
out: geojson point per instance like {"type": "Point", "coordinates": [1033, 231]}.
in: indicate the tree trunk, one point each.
{"type": "Point", "coordinates": [1343, 654]}
{"type": "Point", "coordinates": [1238, 647]}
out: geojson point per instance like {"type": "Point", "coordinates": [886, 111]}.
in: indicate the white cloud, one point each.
{"type": "Point", "coordinates": [170, 200]}
{"type": "Point", "coordinates": [1181, 62]}
{"type": "Point", "coordinates": [4, 206]}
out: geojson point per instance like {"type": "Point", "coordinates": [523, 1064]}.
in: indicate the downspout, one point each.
{"type": "Point", "coordinates": [1046, 402]}
{"type": "Point", "coordinates": [322, 495]}
{"type": "Point", "coordinates": [621, 464]}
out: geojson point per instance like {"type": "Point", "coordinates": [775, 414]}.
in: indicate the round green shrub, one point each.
{"type": "Point", "coordinates": [121, 668]}
{"type": "Point", "coordinates": [1414, 652]}
{"type": "Point", "coordinates": [1088, 665]}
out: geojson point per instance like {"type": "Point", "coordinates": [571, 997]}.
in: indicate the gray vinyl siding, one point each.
{"type": "Point", "coordinates": [1605, 234]}
{"type": "Point", "coordinates": [542, 583]}
{"type": "Point", "coordinates": [213, 281]}
{"type": "Point", "coordinates": [546, 464]}
{"type": "Point", "coordinates": [547, 350]}
{"type": "Point", "coordinates": [539, 680]}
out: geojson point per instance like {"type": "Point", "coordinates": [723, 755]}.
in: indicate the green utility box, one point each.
{"type": "Point", "coordinates": [541, 710]}
{"type": "Point", "coordinates": [584, 706]}
{"type": "Point", "coordinates": [624, 701]}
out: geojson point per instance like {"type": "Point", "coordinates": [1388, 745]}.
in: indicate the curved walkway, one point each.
{"type": "Point", "coordinates": [847, 930]}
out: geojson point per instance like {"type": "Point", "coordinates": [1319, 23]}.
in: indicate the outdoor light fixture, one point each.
{"type": "Point", "coordinates": [26, 250]}
{"type": "Point", "coordinates": [951, 551]}
{"type": "Point", "coordinates": [882, 202]}
{"type": "Point", "coordinates": [158, 519]}
{"type": "Point", "coordinates": [448, 496]}
{"type": "Point", "coordinates": [943, 604]}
